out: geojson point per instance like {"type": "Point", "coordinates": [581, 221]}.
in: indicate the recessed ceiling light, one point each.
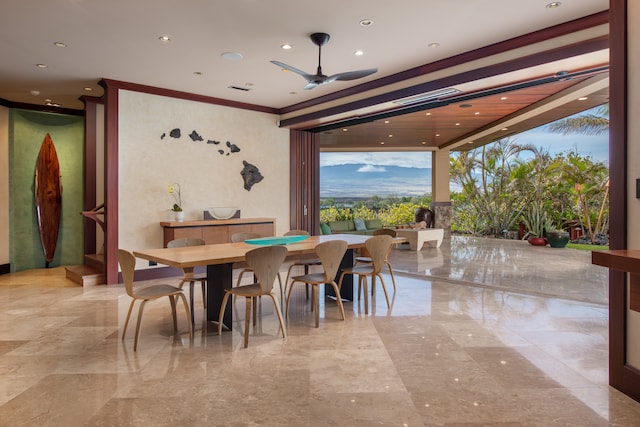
{"type": "Point", "coordinates": [505, 129]}
{"type": "Point", "coordinates": [34, 92]}
{"type": "Point", "coordinates": [41, 65]}
{"type": "Point", "coordinates": [582, 98]}
{"type": "Point", "coordinates": [457, 124]}
{"type": "Point", "coordinates": [477, 113]}
{"type": "Point", "coordinates": [381, 142]}
{"type": "Point", "coordinates": [433, 45]}
{"type": "Point", "coordinates": [427, 114]}
{"type": "Point", "coordinates": [59, 44]}
{"type": "Point", "coordinates": [47, 100]}
{"type": "Point", "coordinates": [424, 143]}
{"type": "Point", "coordinates": [503, 98]}
{"type": "Point", "coordinates": [386, 121]}
{"type": "Point", "coordinates": [165, 39]}
{"type": "Point", "coordinates": [470, 142]}
{"type": "Point", "coordinates": [88, 89]}
{"type": "Point", "coordinates": [344, 129]}
{"type": "Point", "coordinates": [286, 46]}
{"type": "Point", "coordinates": [358, 53]}
{"type": "Point", "coordinates": [553, 5]}
{"type": "Point", "coordinates": [231, 56]}
{"type": "Point", "coordinates": [437, 134]}
{"type": "Point", "coordinates": [390, 136]}
{"type": "Point", "coordinates": [197, 73]}
{"type": "Point", "coordinates": [366, 22]}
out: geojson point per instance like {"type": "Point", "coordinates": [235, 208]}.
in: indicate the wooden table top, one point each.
{"type": "Point", "coordinates": [224, 253]}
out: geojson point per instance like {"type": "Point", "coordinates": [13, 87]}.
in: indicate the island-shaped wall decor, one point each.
{"type": "Point", "coordinates": [250, 173]}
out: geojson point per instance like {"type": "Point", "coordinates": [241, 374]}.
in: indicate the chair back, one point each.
{"type": "Point", "coordinates": [265, 263]}
{"type": "Point", "coordinates": [386, 232]}
{"type": "Point", "coordinates": [244, 235]}
{"type": "Point", "coordinates": [296, 233]}
{"type": "Point", "coordinates": [330, 254]}
{"type": "Point", "coordinates": [378, 248]}
{"type": "Point", "coordinates": [185, 241]}
{"type": "Point", "coordinates": [127, 263]}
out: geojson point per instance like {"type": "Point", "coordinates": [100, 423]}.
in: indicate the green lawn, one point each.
{"type": "Point", "coordinates": [584, 247]}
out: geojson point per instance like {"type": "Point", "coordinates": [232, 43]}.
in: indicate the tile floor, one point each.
{"type": "Point", "coordinates": [480, 332]}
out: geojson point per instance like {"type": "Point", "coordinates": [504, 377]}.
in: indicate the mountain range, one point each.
{"type": "Point", "coordinates": [366, 180]}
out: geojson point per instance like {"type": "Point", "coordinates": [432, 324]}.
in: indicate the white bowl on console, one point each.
{"type": "Point", "coordinates": [222, 212]}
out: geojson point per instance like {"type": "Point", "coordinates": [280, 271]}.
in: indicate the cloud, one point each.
{"type": "Point", "coordinates": [405, 159]}
{"type": "Point", "coordinates": [372, 168]}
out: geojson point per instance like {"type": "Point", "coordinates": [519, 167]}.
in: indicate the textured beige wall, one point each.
{"type": "Point", "coordinates": [4, 185]}
{"type": "Point", "coordinates": [148, 164]}
{"type": "Point", "coordinates": [633, 164]}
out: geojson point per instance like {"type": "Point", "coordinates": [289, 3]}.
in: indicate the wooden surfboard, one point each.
{"type": "Point", "coordinates": [48, 197]}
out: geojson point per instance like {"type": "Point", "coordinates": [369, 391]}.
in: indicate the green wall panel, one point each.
{"type": "Point", "coordinates": [27, 130]}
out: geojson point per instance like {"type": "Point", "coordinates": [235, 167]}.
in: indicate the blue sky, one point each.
{"type": "Point", "coordinates": [595, 146]}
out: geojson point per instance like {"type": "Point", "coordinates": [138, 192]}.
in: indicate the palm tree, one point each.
{"type": "Point", "coordinates": [596, 123]}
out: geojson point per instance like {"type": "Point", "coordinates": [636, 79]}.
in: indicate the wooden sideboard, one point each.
{"type": "Point", "coordinates": [217, 231]}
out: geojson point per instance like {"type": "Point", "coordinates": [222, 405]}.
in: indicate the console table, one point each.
{"type": "Point", "coordinates": [217, 230]}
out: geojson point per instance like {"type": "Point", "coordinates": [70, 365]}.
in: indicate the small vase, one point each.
{"type": "Point", "coordinates": [178, 215]}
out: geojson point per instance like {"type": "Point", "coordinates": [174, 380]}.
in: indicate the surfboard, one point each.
{"type": "Point", "coordinates": [48, 197]}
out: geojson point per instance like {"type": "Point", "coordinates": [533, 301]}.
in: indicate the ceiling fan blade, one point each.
{"type": "Point", "coordinates": [308, 77]}
{"type": "Point", "coordinates": [310, 85]}
{"type": "Point", "coordinates": [352, 75]}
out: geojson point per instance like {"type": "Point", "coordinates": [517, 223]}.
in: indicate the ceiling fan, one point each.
{"type": "Point", "coordinates": [313, 80]}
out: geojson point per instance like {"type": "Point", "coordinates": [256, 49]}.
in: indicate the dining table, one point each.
{"type": "Point", "coordinates": [220, 258]}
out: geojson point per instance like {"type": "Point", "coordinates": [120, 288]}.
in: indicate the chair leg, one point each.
{"type": "Point", "coordinates": [222, 309]}
{"type": "Point", "coordinates": [172, 301]}
{"type": "Point", "coordinates": [338, 299]}
{"type": "Point", "coordinates": [247, 317]}
{"type": "Point", "coordinates": [384, 288]}
{"type": "Point", "coordinates": [140, 310]}
{"type": "Point", "coordinates": [315, 291]}
{"type": "Point", "coordinates": [186, 311]}
{"type": "Point", "coordinates": [277, 309]}
{"type": "Point", "coordinates": [126, 322]}
{"type": "Point", "coordinates": [192, 284]}
{"type": "Point", "coordinates": [255, 310]}
{"type": "Point", "coordinates": [363, 279]}
{"type": "Point", "coordinates": [393, 279]}
{"type": "Point", "coordinates": [286, 311]}
{"type": "Point", "coordinates": [204, 293]}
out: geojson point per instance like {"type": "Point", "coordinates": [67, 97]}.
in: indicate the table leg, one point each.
{"type": "Point", "coordinates": [346, 291]}
{"type": "Point", "coordinates": [219, 278]}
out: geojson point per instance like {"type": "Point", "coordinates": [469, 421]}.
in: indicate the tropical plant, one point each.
{"type": "Point", "coordinates": [536, 221]}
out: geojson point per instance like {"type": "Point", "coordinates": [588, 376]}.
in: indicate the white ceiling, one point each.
{"type": "Point", "coordinates": [118, 39]}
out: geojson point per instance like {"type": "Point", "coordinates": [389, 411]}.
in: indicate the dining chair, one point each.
{"type": "Point", "coordinates": [367, 259]}
{"type": "Point", "coordinates": [127, 263]}
{"type": "Point", "coordinates": [330, 254]}
{"type": "Point", "coordinates": [378, 247]}
{"type": "Point", "coordinates": [265, 262]}
{"type": "Point", "coordinates": [241, 237]}
{"type": "Point", "coordinates": [188, 276]}
{"type": "Point", "coordinates": [301, 261]}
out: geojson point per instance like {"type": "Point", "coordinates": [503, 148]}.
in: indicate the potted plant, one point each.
{"type": "Point", "coordinates": [174, 190]}
{"type": "Point", "coordinates": [535, 220]}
